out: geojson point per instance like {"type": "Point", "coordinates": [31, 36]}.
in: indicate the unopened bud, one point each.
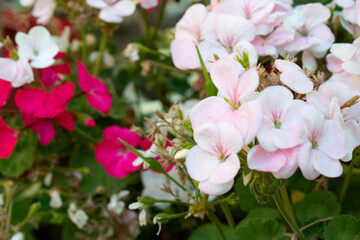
{"type": "Point", "coordinates": [148, 201]}
{"type": "Point", "coordinates": [181, 154]}
{"type": "Point", "coordinates": [354, 100]}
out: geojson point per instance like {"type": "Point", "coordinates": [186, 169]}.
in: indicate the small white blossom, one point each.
{"type": "Point", "coordinates": [48, 179]}
{"type": "Point", "coordinates": [55, 199]}
{"type": "Point", "coordinates": [77, 216]}
{"type": "Point", "coordinates": [142, 217]}
{"type": "Point", "coordinates": [116, 205]}
{"type": "Point", "coordinates": [18, 236]}
{"type": "Point", "coordinates": [132, 52]}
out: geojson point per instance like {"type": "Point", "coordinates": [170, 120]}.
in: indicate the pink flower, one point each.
{"type": "Point", "coordinates": [232, 104]}
{"type": "Point", "coordinates": [312, 36]}
{"type": "Point", "coordinates": [113, 11]}
{"type": "Point", "coordinates": [43, 104]}
{"type": "Point", "coordinates": [98, 95]}
{"type": "Point", "coordinates": [149, 5]}
{"type": "Point", "coordinates": [323, 145]}
{"type": "Point", "coordinates": [44, 126]}
{"type": "Point", "coordinates": [214, 161]}
{"type": "Point", "coordinates": [293, 77]}
{"type": "Point", "coordinates": [281, 163]}
{"type": "Point", "coordinates": [5, 90]}
{"type": "Point", "coordinates": [48, 77]}
{"type": "Point", "coordinates": [18, 73]}
{"type": "Point", "coordinates": [8, 138]}
{"type": "Point", "coordinates": [43, 9]}
{"type": "Point", "coordinates": [282, 119]}
{"type": "Point", "coordinates": [113, 155]}
{"type": "Point", "coordinates": [90, 122]}
{"type": "Point", "coordinates": [328, 100]}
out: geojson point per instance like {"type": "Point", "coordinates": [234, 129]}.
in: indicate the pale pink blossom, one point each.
{"type": "Point", "coordinates": [282, 119]}
{"type": "Point", "coordinates": [293, 77]}
{"type": "Point", "coordinates": [113, 11]}
{"type": "Point", "coordinates": [43, 9]}
{"type": "Point", "coordinates": [17, 72]}
{"type": "Point", "coordinates": [329, 99]}
{"type": "Point", "coordinates": [281, 163]}
{"type": "Point", "coordinates": [214, 161]}
{"type": "Point", "coordinates": [312, 36]}
{"type": "Point", "coordinates": [232, 104]}
{"type": "Point", "coordinates": [323, 145]}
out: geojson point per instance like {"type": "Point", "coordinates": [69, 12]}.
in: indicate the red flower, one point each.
{"type": "Point", "coordinates": [8, 138]}
{"type": "Point", "coordinates": [5, 89]}
{"type": "Point", "coordinates": [98, 95]}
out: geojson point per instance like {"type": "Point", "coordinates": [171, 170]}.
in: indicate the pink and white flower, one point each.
{"type": "Point", "coordinates": [17, 72]}
{"type": "Point", "coordinates": [214, 161]}
{"type": "Point", "coordinates": [43, 9]}
{"type": "Point", "coordinates": [113, 11]}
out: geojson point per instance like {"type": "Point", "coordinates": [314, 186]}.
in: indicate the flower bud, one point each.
{"type": "Point", "coordinates": [148, 201]}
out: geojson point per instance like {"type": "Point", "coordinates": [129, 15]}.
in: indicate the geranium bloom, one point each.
{"type": "Point", "coordinates": [37, 46]}
{"type": "Point", "coordinates": [8, 138]}
{"type": "Point", "coordinates": [113, 11]}
{"type": "Point", "coordinates": [98, 95]}
{"type": "Point", "coordinates": [282, 163]}
{"type": "Point", "coordinates": [149, 5]}
{"type": "Point", "coordinates": [44, 104]}
{"type": "Point", "coordinates": [17, 72]}
{"type": "Point", "coordinates": [344, 62]}
{"type": "Point", "coordinates": [282, 119]}
{"type": "Point", "coordinates": [44, 127]}
{"type": "Point", "coordinates": [348, 10]}
{"type": "Point", "coordinates": [323, 145]}
{"type": "Point", "coordinates": [232, 103]}
{"type": "Point", "coordinates": [113, 155]}
{"type": "Point", "coordinates": [43, 9]}
{"type": "Point", "coordinates": [331, 100]}
{"type": "Point", "coordinates": [214, 161]}
{"type": "Point", "coordinates": [293, 77]}
{"type": "Point", "coordinates": [312, 36]}
{"type": "Point", "coordinates": [5, 89]}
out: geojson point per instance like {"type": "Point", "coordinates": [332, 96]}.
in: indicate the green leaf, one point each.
{"type": "Point", "coordinates": [317, 205]}
{"type": "Point", "coordinates": [247, 200]}
{"type": "Point", "coordinates": [97, 176]}
{"type": "Point", "coordinates": [261, 213]}
{"type": "Point", "coordinates": [119, 108]}
{"type": "Point", "coordinates": [22, 158]}
{"type": "Point", "coordinates": [209, 232]}
{"type": "Point", "coordinates": [209, 85]}
{"type": "Point", "coordinates": [258, 229]}
{"type": "Point", "coordinates": [344, 227]}
{"type": "Point", "coordinates": [300, 2]}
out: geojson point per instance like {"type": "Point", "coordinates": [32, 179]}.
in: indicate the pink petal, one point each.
{"type": "Point", "coordinates": [315, 14]}
{"type": "Point", "coordinates": [29, 100]}
{"type": "Point", "coordinates": [332, 140]}
{"type": "Point", "coordinates": [48, 77]}
{"type": "Point", "coordinates": [308, 61]}
{"type": "Point", "coordinates": [225, 171]}
{"type": "Point", "coordinates": [343, 51]}
{"type": "Point", "coordinates": [201, 164]}
{"type": "Point", "coordinates": [45, 130]}
{"type": "Point", "coordinates": [106, 150]}
{"type": "Point", "coordinates": [305, 162]}
{"type": "Point", "coordinates": [351, 67]}
{"type": "Point", "coordinates": [333, 63]}
{"type": "Point", "coordinates": [184, 55]}
{"type": "Point", "coordinates": [248, 82]}
{"type": "Point", "coordinates": [261, 160]}
{"type": "Point", "coordinates": [336, 89]}
{"type": "Point", "coordinates": [326, 165]}
{"type": "Point", "coordinates": [62, 68]}
{"type": "Point", "coordinates": [66, 120]}
{"type": "Point", "coordinates": [8, 138]}
{"type": "Point", "coordinates": [5, 90]}
{"type": "Point", "coordinates": [215, 189]}
{"type": "Point", "coordinates": [115, 133]}
{"type": "Point", "coordinates": [291, 164]}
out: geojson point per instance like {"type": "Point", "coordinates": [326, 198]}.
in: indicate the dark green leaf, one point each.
{"type": "Point", "coordinates": [344, 227]}
{"type": "Point", "coordinates": [247, 200]}
{"type": "Point", "coordinates": [261, 213]}
{"type": "Point", "coordinates": [258, 229]}
{"type": "Point", "coordinates": [209, 232]}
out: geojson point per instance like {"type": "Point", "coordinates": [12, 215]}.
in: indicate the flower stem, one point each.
{"type": "Point", "coordinates": [101, 54]}
{"type": "Point", "coordinates": [280, 205]}
{"type": "Point", "coordinates": [216, 222]}
{"type": "Point", "coordinates": [85, 135]}
{"type": "Point", "coordinates": [228, 216]}
{"type": "Point", "coordinates": [158, 22]}
{"type": "Point", "coordinates": [83, 49]}
{"type": "Point", "coordinates": [285, 198]}
{"type": "Point", "coordinates": [347, 181]}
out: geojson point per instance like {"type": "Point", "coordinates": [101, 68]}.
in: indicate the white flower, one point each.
{"type": "Point", "coordinates": [17, 72]}
{"type": "Point", "coordinates": [48, 179]}
{"type": "Point", "coordinates": [116, 205]}
{"type": "Point", "coordinates": [142, 217]}
{"type": "Point", "coordinates": [55, 199]}
{"type": "Point", "coordinates": [132, 52]}
{"type": "Point", "coordinates": [18, 236]}
{"type": "Point", "coordinates": [43, 9]}
{"type": "Point", "coordinates": [156, 220]}
{"type": "Point", "coordinates": [113, 11]}
{"type": "Point", "coordinates": [37, 46]}
{"type": "Point", "coordinates": [77, 216]}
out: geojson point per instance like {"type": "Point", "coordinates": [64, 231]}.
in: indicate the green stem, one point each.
{"type": "Point", "coordinates": [228, 216]}
{"type": "Point", "coordinates": [83, 46]}
{"type": "Point", "coordinates": [216, 222]}
{"type": "Point", "coordinates": [158, 22]}
{"type": "Point", "coordinates": [287, 217]}
{"type": "Point", "coordinates": [176, 182]}
{"type": "Point", "coordinates": [145, 18]}
{"type": "Point", "coordinates": [172, 202]}
{"type": "Point", "coordinates": [101, 54]}
{"type": "Point", "coordinates": [85, 135]}
{"type": "Point", "coordinates": [209, 85]}
{"type": "Point", "coordinates": [347, 182]}
{"type": "Point", "coordinates": [285, 198]}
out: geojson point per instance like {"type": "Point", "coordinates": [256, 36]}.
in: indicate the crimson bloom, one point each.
{"type": "Point", "coordinates": [44, 104]}
{"type": "Point", "coordinates": [8, 138]}
{"type": "Point", "coordinates": [98, 95]}
{"type": "Point", "coordinates": [5, 89]}
{"type": "Point", "coordinates": [116, 158]}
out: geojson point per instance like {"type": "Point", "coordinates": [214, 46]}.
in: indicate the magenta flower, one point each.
{"type": "Point", "coordinates": [98, 95]}
{"type": "Point", "coordinates": [5, 89]}
{"type": "Point", "coordinates": [44, 127]}
{"type": "Point", "coordinates": [113, 155]}
{"type": "Point", "coordinates": [44, 104]}
{"type": "Point", "coordinates": [8, 138]}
